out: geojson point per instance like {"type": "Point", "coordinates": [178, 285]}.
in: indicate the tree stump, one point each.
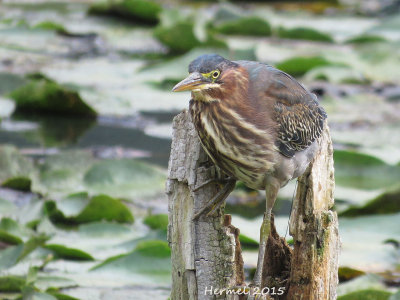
{"type": "Point", "coordinates": [206, 254]}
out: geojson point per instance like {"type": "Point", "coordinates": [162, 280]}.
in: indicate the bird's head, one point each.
{"type": "Point", "coordinates": [209, 76]}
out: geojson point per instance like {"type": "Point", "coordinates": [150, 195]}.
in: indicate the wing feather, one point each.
{"type": "Point", "coordinates": [299, 117]}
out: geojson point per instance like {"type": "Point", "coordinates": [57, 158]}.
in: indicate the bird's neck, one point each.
{"type": "Point", "coordinates": [205, 96]}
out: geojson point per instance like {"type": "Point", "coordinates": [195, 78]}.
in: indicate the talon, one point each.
{"type": "Point", "coordinates": [217, 200]}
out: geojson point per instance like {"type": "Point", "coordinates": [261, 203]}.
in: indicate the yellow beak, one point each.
{"type": "Point", "coordinates": [192, 82]}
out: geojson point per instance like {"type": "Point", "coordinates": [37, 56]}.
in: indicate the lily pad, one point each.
{"type": "Point", "coordinates": [253, 25]}
{"type": "Point", "coordinates": [6, 207]}
{"type": "Point", "coordinates": [19, 183]}
{"type": "Point", "coordinates": [366, 295]}
{"type": "Point", "coordinates": [248, 242]}
{"type": "Point", "coordinates": [13, 164]}
{"type": "Point", "coordinates": [387, 203]}
{"type": "Point", "coordinates": [49, 25]}
{"type": "Point", "coordinates": [303, 33]}
{"type": "Point", "coordinates": [11, 255]}
{"type": "Point", "coordinates": [176, 26]}
{"type": "Point", "coordinates": [298, 66]}
{"type": "Point", "coordinates": [159, 221]}
{"type": "Point", "coordinates": [103, 207]}
{"type": "Point", "coordinates": [63, 173]}
{"type": "Point", "coordinates": [45, 281]}
{"type": "Point", "coordinates": [364, 282]}
{"type": "Point", "coordinates": [99, 208]}
{"type": "Point", "coordinates": [346, 273]}
{"type": "Point", "coordinates": [68, 253]}
{"type": "Point", "coordinates": [395, 296]}
{"type": "Point", "coordinates": [366, 38]}
{"type": "Point", "coordinates": [358, 170]}
{"type": "Point", "coordinates": [140, 11]}
{"type": "Point", "coordinates": [8, 238]}
{"type": "Point", "coordinates": [150, 258]}
{"type": "Point", "coordinates": [182, 31]}
{"type": "Point", "coordinates": [43, 95]}
{"type": "Point", "coordinates": [11, 283]}
{"type": "Point", "coordinates": [336, 74]}
{"type": "Point", "coordinates": [127, 178]}
{"type": "Point", "coordinates": [10, 82]}
{"type": "Point", "coordinates": [363, 242]}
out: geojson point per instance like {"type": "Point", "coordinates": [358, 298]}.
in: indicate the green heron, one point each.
{"type": "Point", "coordinates": [256, 123]}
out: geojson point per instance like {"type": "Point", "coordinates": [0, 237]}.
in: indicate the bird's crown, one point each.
{"type": "Point", "coordinates": [208, 62]}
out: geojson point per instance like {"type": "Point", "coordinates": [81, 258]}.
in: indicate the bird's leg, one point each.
{"type": "Point", "coordinates": [271, 189]}
{"type": "Point", "coordinates": [219, 198]}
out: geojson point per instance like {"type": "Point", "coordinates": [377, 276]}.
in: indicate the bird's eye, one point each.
{"type": "Point", "coordinates": [215, 74]}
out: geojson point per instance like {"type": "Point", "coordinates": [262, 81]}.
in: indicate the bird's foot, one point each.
{"type": "Point", "coordinates": [217, 200]}
{"type": "Point", "coordinates": [213, 180]}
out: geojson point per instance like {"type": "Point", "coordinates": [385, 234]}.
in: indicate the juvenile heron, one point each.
{"type": "Point", "coordinates": [257, 124]}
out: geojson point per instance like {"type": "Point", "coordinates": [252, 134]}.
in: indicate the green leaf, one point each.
{"type": "Point", "coordinates": [38, 296]}
{"type": "Point", "coordinates": [63, 173]}
{"type": "Point", "coordinates": [99, 208]}
{"type": "Point", "coordinates": [253, 25]}
{"type": "Point", "coordinates": [366, 295]}
{"type": "Point", "coordinates": [6, 207]}
{"type": "Point", "coordinates": [50, 25]}
{"type": "Point", "coordinates": [154, 249]}
{"type": "Point", "coordinates": [363, 242]}
{"type": "Point", "coordinates": [69, 253]}
{"type": "Point", "coordinates": [47, 282]}
{"type": "Point", "coordinates": [13, 164]}
{"type": "Point", "coordinates": [141, 11]}
{"type": "Point", "coordinates": [159, 221]}
{"type": "Point", "coordinates": [346, 273]}
{"type": "Point", "coordinates": [182, 31]}
{"type": "Point", "coordinates": [336, 74]}
{"type": "Point", "coordinates": [303, 33]}
{"type": "Point", "coordinates": [19, 183]}
{"type": "Point", "coordinates": [366, 38]}
{"type": "Point", "coordinates": [10, 256]}
{"type": "Point", "coordinates": [33, 243]}
{"type": "Point", "coordinates": [150, 258]}
{"type": "Point", "coordinates": [8, 238]}
{"type": "Point", "coordinates": [395, 296]}
{"type": "Point", "coordinates": [11, 283]}
{"type": "Point", "coordinates": [12, 227]}
{"type": "Point", "coordinates": [387, 203]}
{"type": "Point", "coordinates": [125, 178]}
{"type": "Point", "coordinates": [363, 171]}
{"type": "Point", "coordinates": [73, 204]}
{"type": "Point", "coordinates": [298, 66]}
{"type": "Point", "coordinates": [248, 242]}
{"type": "Point", "coordinates": [60, 296]}
{"type": "Point", "coordinates": [43, 95]}
{"type": "Point", "coordinates": [103, 207]}
{"type": "Point", "coordinates": [364, 282]}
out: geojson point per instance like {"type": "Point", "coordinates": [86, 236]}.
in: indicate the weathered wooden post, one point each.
{"type": "Point", "coordinates": [314, 227]}
{"type": "Point", "coordinates": [206, 253]}
{"type": "Point", "coordinates": [206, 256]}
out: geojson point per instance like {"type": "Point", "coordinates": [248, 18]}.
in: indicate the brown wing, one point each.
{"type": "Point", "coordinates": [300, 125]}
{"type": "Point", "coordinates": [298, 115]}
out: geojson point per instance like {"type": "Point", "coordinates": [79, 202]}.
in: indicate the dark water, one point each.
{"type": "Point", "coordinates": [65, 133]}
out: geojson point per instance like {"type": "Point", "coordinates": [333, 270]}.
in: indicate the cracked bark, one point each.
{"type": "Point", "coordinates": [206, 253]}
